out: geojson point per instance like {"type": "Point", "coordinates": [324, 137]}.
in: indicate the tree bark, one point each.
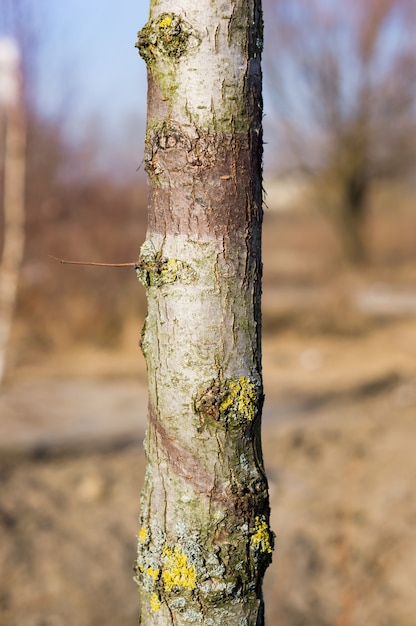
{"type": "Point", "coordinates": [204, 541]}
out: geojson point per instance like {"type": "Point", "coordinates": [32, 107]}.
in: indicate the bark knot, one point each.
{"type": "Point", "coordinates": [233, 402]}
{"type": "Point", "coordinates": [168, 36]}
{"type": "Point", "coordinates": [168, 148]}
{"type": "Point", "coordinates": [155, 270]}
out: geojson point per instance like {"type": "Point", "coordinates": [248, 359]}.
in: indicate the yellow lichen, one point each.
{"type": "Point", "coordinates": [143, 534]}
{"type": "Point", "coordinates": [169, 270]}
{"type": "Point", "coordinates": [166, 22]}
{"type": "Point", "coordinates": [153, 573]}
{"type": "Point", "coordinates": [155, 603]}
{"type": "Point", "coordinates": [241, 396]}
{"type": "Point", "coordinates": [232, 394]}
{"type": "Point", "coordinates": [261, 536]}
{"type": "Point", "coordinates": [177, 572]}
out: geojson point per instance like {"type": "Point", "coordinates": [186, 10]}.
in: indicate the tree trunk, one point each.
{"type": "Point", "coordinates": [13, 195]}
{"type": "Point", "coordinates": [353, 213]}
{"type": "Point", "coordinates": [204, 541]}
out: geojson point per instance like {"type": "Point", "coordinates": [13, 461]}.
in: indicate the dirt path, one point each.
{"type": "Point", "coordinates": [343, 510]}
{"type": "Point", "coordinates": [339, 433]}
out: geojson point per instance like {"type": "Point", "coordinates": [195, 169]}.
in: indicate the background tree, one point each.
{"type": "Point", "coordinates": [17, 69]}
{"type": "Point", "coordinates": [342, 79]}
{"type": "Point", "coordinates": [71, 202]}
{"type": "Point", "coordinates": [13, 158]}
{"type": "Point", "coordinates": [204, 541]}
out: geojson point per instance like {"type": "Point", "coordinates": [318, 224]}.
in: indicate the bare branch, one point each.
{"type": "Point", "coordinates": [343, 90]}
{"type": "Point", "coordinates": [66, 262]}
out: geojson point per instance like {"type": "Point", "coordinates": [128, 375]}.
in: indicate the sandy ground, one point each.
{"type": "Point", "coordinates": [339, 433]}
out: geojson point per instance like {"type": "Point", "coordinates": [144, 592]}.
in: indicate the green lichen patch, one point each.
{"type": "Point", "coordinates": [154, 270]}
{"type": "Point", "coordinates": [148, 564]}
{"type": "Point", "coordinates": [168, 36]}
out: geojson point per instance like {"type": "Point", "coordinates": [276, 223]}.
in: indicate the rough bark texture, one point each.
{"type": "Point", "coordinates": [204, 541]}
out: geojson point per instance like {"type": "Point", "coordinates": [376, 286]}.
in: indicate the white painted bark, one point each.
{"type": "Point", "coordinates": [204, 541]}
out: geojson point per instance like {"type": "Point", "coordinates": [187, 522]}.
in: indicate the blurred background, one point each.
{"type": "Point", "coordinates": [339, 307]}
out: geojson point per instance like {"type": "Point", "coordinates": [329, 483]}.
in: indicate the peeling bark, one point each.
{"type": "Point", "coordinates": [204, 541]}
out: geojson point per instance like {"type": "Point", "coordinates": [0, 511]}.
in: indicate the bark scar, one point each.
{"type": "Point", "coordinates": [181, 460]}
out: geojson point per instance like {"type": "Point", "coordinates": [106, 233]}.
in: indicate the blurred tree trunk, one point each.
{"type": "Point", "coordinates": [204, 541]}
{"type": "Point", "coordinates": [353, 213]}
{"type": "Point", "coordinates": [348, 206]}
{"type": "Point", "coordinates": [343, 88]}
{"type": "Point", "coordinates": [14, 162]}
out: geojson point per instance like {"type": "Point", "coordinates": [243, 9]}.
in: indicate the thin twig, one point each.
{"type": "Point", "coordinates": [141, 163]}
{"type": "Point", "coordinates": [55, 258]}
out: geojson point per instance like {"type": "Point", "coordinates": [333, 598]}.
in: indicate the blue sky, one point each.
{"type": "Point", "coordinates": [88, 65]}
{"type": "Point", "coordinates": [89, 77]}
